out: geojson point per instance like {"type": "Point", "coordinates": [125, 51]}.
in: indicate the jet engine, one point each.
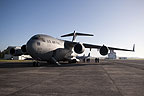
{"type": "Point", "coordinates": [104, 50]}
{"type": "Point", "coordinates": [79, 48]}
{"type": "Point", "coordinates": [16, 51]}
{"type": "Point", "coordinates": [23, 48]}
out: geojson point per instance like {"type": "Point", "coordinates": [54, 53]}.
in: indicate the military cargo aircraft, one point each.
{"type": "Point", "coordinates": [46, 48]}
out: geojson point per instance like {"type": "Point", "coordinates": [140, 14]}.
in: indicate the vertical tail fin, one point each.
{"type": "Point", "coordinates": [74, 34]}
{"type": "Point", "coordinates": [88, 55]}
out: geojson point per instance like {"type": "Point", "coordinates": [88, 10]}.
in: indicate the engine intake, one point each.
{"type": "Point", "coordinates": [79, 48]}
{"type": "Point", "coordinates": [23, 48]}
{"type": "Point", "coordinates": [16, 51]}
{"type": "Point", "coordinates": [104, 50]}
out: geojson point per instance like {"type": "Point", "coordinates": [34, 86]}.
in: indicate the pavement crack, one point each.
{"type": "Point", "coordinates": [21, 89]}
{"type": "Point", "coordinates": [24, 87]}
{"type": "Point", "coordinates": [133, 65]}
{"type": "Point", "coordinates": [112, 81]}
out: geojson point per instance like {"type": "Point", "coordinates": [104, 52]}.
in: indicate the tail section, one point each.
{"type": "Point", "coordinates": [88, 55]}
{"type": "Point", "coordinates": [74, 34]}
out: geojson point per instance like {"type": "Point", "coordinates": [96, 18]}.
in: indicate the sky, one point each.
{"type": "Point", "coordinates": [114, 23]}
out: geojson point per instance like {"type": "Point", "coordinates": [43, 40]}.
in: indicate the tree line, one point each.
{"type": "Point", "coordinates": [2, 53]}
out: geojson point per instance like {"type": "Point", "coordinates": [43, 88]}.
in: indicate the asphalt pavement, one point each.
{"type": "Point", "coordinates": [107, 78]}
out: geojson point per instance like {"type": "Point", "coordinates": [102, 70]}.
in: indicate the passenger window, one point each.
{"type": "Point", "coordinates": [38, 43]}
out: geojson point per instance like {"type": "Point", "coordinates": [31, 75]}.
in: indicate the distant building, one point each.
{"type": "Point", "coordinates": [112, 55]}
{"type": "Point", "coordinates": [123, 58]}
{"type": "Point", "coordinates": [22, 57]}
{"type": "Point", "coordinates": [7, 57]}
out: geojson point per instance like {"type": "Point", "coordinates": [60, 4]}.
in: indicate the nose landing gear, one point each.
{"type": "Point", "coordinates": [36, 64]}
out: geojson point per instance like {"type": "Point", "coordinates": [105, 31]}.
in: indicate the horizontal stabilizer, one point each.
{"type": "Point", "coordinates": [71, 34]}
{"type": "Point", "coordinates": [77, 34]}
{"type": "Point", "coordinates": [74, 34]}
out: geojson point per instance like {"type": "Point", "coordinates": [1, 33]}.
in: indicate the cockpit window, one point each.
{"type": "Point", "coordinates": [38, 38]}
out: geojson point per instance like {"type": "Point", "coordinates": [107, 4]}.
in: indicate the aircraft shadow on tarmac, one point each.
{"type": "Point", "coordinates": [30, 64]}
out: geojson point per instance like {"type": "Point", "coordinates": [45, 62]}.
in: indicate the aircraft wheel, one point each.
{"type": "Point", "coordinates": [73, 61]}
{"type": "Point", "coordinates": [36, 64]}
{"type": "Point", "coordinates": [48, 62]}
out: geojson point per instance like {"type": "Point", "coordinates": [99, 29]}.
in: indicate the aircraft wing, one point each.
{"type": "Point", "coordinates": [71, 44]}
{"type": "Point", "coordinates": [111, 48]}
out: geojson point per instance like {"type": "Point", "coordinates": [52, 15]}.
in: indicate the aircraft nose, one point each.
{"type": "Point", "coordinates": [31, 47]}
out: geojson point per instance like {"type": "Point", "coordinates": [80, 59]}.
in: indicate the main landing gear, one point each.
{"type": "Point", "coordinates": [36, 64]}
{"type": "Point", "coordinates": [72, 61]}
{"type": "Point", "coordinates": [55, 61]}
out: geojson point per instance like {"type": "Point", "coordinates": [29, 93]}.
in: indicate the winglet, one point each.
{"type": "Point", "coordinates": [134, 48]}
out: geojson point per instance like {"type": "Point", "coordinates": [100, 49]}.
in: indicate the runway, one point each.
{"type": "Point", "coordinates": [107, 78]}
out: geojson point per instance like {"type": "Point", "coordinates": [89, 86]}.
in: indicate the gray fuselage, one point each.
{"type": "Point", "coordinates": [43, 47]}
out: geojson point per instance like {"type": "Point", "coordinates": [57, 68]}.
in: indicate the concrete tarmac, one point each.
{"type": "Point", "coordinates": [107, 78]}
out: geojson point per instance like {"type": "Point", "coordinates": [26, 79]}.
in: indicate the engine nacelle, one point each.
{"type": "Point", "coordinates": [79, 48]}
{"type": "Point", "coordinates": [104, 50]}
{"type": "Point", "coordinates": [23, 48]}
{"type": "Point", "coordinates": [16, 51]}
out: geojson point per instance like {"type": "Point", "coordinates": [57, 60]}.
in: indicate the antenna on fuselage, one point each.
{"type": "Point", "coordinates": [74, 34]}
